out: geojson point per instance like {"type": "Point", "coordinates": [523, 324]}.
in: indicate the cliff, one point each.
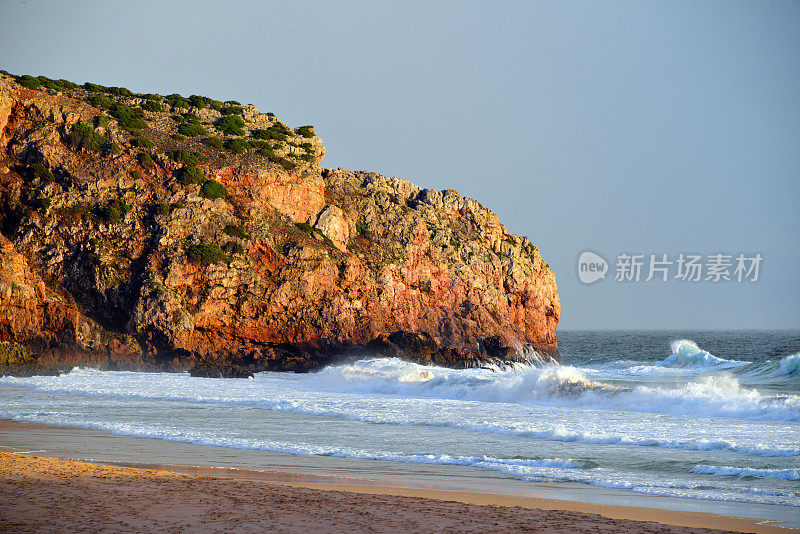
{"type": "Point", "coordinates": [142, 231]}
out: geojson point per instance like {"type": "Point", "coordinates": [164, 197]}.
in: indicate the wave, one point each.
{"type": "Point", "coordinates": [559, 385]}
{"type": "Point", "coordinates": [787, 368]}
{"type": "Point", "coordinates": [528, 403]}
{"type": "Point", "coordinates": [688, 360]}
{"type": "Point", "coordinates": [686, 353]}
{"type": "Point", "coordinates": [728, 471]}
{"type": "Point", "coordinates": [686, 357]}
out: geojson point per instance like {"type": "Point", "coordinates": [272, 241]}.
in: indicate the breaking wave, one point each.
{"type": "Point", "coordinates": [708, 396]}
{"type": "Point", "coordinates": [728, 471]}
{"type": "Point", "coordinates": [686, 354]}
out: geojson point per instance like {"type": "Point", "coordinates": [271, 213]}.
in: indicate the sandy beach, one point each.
{"type": "Point", "coordinates": [46, 494]}
{"type": "Point", "coordinates": [143, 485]}
{"type": "Point", "coordinates": [39, 493]}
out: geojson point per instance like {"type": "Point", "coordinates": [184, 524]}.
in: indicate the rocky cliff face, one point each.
{"type": "Point", "coordinates": [148, 231]}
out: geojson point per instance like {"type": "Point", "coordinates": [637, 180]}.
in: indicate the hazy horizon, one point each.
{"type": "Point", "coordinates": [621, 127]}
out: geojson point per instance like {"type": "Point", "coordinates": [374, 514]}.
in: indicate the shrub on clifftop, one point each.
{"type": "Point", "coordinates": [177, 101]}
{"type": "Point", "coordinates": [29, 82]}
{"type": "Point", "coordinates": [191, 129]}
{"type": "Point", "coordinates": [128, 118]}
{"type": "Point", "coordinates": [110, 214]}
{"type": "Point", "coordinates": [306, 131]}
{"type": "Point", "coordinates": [152, 106]}
{"type": "Point", "coordinates": [237, 146]}
{"type": "Point", "coordinates": [146, 161]}
{"type": "Point", "coordinates": [100, 101]}
{"type": "Point", "coordinates": [231, 125]}
{"type": "Point", "coordinates": [277, 131]}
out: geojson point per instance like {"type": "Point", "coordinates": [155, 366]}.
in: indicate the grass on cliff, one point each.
{"type": "Point", "coordinates": [146, 160]}
{"type": "Point", "coordinates": [364, 232]}
{"type": "Point", "coordinates": [311, 230]}
{"type": "Point", "coordinates": [187, 157]}
{"type": "Point", "coordinates": [233, 247]}
{"type": "Point", "coordinates": [206, 254]}
{"type": "Point", "coordinates": [143, 142]}
{"type": "Point", "coordinates": [190, 175]}
{"type": "Point", "coordinates": [214, 142]}
{"type": "Point", "coordinates": [287, 164]}
{"type": "Point", "coordinates": [112, 148]}
{"type": "Point", "coordinates": [39, 171]}
{"type": "Point", "coordinates": [234, 230]}
{"type": "Point", "coordinates": [113, 211]}
{"type": "Point", "coordinates": [213, 189]}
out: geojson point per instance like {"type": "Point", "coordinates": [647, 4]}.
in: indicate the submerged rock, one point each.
{"type": "Point", "coordinates": [219, 369]}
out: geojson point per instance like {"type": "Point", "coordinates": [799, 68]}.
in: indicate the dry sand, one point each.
{"type": "Point", "coordinates": [45, 494]}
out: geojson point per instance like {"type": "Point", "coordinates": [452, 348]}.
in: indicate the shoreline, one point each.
{"type": "Point", "coordinates": [377, 484]}
{"type": "Point", "coordinates": [59, 493]}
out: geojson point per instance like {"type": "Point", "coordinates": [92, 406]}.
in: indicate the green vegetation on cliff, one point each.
{"type": "Point", "coordinates": [206, 254]}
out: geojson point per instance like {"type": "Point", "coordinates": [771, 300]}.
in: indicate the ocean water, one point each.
{"type": "Point", "coordinates": [695, 415]}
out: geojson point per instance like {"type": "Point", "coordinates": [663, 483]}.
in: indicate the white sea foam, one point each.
{"type": "Point", "coordinates": [401, 393]}
{"type": "Point", "coordinates": [711, 396]}
{"type": "Point", "coordinates": [716, 395]}
{"type": "Point", "coordinates": [728, 471]}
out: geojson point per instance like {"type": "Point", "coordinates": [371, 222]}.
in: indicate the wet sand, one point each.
{"type": "Point", "coordinates": [47, 494]}
{"type": "Point", "coordinates": [136, 484]}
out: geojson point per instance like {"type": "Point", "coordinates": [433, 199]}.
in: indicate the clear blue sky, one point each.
{"type": "Point", "coordinates": [652, 127]}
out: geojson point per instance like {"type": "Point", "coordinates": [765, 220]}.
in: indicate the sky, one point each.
{"type": "Point", "coordinates": [616, 127]}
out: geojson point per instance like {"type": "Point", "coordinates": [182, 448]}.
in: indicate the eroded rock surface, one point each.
{"type": "Point", "coordinates": [121, 257]}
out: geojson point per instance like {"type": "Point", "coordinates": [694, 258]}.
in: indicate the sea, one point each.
{"type": "Point", "coordinates": [709, 416]}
